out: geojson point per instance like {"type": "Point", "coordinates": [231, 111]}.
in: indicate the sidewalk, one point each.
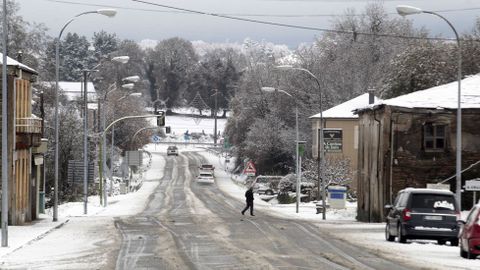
{"type": "Point", "coordinates": [120, 205]}
{"type": "Point", "coordinates": [19, 236]}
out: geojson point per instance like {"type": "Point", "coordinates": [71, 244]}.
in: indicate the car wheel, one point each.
{"type": "Point", "coordinates": [471, 256]}
{"type": "Point", "coordinates": [400, 237]}
{"type": "Point", "coordinates": [388, 236]}
{"type": "Point", "coordinates": [441, 242]}
{"type": "Point", "coordinates": [463, 253]}
{"type": "Point", "coordinates": [454, 242]}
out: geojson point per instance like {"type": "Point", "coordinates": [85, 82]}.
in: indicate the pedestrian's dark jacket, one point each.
{"type": "Point", "coordinates": [249, 195]}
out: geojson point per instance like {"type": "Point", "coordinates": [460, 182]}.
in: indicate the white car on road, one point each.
{"type": "Point", "coordinates": [206, 177]}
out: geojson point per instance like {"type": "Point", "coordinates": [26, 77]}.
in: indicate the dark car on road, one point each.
{"type": "Point", "coordinates": [423, 214]}
{"type": "Point", "coordinates": [470, 234]}
{"type": "Point", "coordinates": [172, 150]}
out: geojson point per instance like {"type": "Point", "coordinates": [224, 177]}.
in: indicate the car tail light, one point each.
{"type": "Point", "coordinates": [407, 214]}
{"type": "Point", "coordinates": [459, 216]}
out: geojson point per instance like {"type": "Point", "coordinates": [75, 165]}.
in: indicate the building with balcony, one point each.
{"type": "Point", "coordinates": [25, 146]}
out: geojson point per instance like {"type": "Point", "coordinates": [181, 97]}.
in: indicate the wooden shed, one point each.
{"type": "Point", "coordinates": [410, 141]}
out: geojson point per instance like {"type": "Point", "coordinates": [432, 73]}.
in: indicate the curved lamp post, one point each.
{"type": "Point", "coordinates": [117, 59]}
{"type": "Point", "coordinates": [409, 10]}
{"type": "Point", "coordinates": [110, 89]}
{"type": "Point", "coordinates": [105, 12]}
{"type": "Point", "coordinates": [297, 156]}
{"type": "Point", "coordinates": [320, 145]}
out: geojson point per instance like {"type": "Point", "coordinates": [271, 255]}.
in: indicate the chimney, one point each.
{"type": "Point", "coordinates": [371, 95]}
{"type": "Point", "coordinates": [20, 56]}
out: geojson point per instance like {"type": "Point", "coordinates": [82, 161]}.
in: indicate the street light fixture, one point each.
{"type": "Point", "coordinates": [320, 144]}
{"type": "Point", "coordinates": [409, 10]}
{"type": "Point", "coordinates": [126, 86]}
{"type": "Point", "coordinates": [105, 12]}
{"type": "Point", "coordinates": [297, 156]}
{"type": "Point", "coordinates": [118, 59]}
{"type": "Point", "coordinates": [4, 131]}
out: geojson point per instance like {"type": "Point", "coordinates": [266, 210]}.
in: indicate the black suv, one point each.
{"type": "Point", "coordinates": [420, 213]}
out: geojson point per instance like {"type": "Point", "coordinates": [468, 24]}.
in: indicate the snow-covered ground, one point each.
{"type": "Point", "coordinates": [343, 225]}
{"type": "Point", "coordinates": [120, 205]}
{"type": "Point", "coordinates": [339, 224]}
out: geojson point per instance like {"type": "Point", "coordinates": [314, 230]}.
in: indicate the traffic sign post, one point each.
{"type": "Point", "coordinates": [474, 186]}
{"type": "Point", "coordinates": [250, 169]}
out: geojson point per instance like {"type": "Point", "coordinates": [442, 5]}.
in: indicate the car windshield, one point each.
{"type": "Point", "coordinates": [433, 203]}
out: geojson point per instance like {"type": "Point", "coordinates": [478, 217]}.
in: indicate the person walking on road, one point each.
{"type": "Point", "coordinates": [249, 199]}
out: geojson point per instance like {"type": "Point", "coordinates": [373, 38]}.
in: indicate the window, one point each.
{"type": "Point", "coordinates": [434, 137]}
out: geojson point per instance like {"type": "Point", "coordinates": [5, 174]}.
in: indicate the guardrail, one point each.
{"type": "Point", "coordinates": [28, 125]}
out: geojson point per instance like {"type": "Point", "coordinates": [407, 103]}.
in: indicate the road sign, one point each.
{"type": "Point", "coordinates": [156, 138]}
{"type": "Point", "coordinates": [332, 139]}
{"type": "Point", "coordinates": [250, 169]}
{"type": "Point", "coordinates": [472, 185]}
{"type": "Point", "coordinates": [134, 158]}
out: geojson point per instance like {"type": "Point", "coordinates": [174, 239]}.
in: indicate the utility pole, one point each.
{"type": "Point", "coordinates": [215, 117]}
{"type": "Point", "coordinates": [5, 169]}
{"type": "Point", "coordinates": [85, 141]}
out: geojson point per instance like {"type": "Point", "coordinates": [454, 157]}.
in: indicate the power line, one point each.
{"type": "Point", "coordinates": [252, 14]}
{"type": "Point", "coordinates": [178, 10]}
{"type": "Point", "coordinates": [354, 33]}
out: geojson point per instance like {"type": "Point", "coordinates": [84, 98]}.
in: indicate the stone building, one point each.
{"type": "Point", "coordinates": [410, 141]}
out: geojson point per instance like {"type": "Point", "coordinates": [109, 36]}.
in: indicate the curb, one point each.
{"type": "Point", "coordinates": [38, 237]}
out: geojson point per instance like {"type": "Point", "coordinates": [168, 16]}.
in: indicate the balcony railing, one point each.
{"type": "Point", "coordinates": [29, 125]}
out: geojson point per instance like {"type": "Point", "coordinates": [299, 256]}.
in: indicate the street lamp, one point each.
{"type": "Point", "coordinates": [409, 10]}
{"type": "Point", "coordinates": [320, 144]}
{"type": "Point", "coordinates": [118, 59]}
{"type": "Point", "coordinates": [4, 130]}
{"type": "Point", "coordinates": [113, 132]}
{"type": "Point", "coordinates": [126, 86]}
{"type": "Point", "coordinates": [105, 12]}
{"type": "Point", "coordinates": [297, 160]}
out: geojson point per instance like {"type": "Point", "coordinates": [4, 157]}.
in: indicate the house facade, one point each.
{"type": "Point", "coordinates": [340, 127]}
{"type": "Point", "coordinates": [25, 146]}
{"type": "Point", "coordinates": [410, 141]}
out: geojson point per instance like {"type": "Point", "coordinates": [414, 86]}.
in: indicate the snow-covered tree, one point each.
{"type": "Point", "coordinates": [168, 69]}
{"type": "Point", "coordinates": [29, 38]}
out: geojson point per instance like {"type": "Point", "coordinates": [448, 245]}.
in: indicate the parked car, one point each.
{"type": "Point", "coordinates": [266, 184]}
{"type": "Point", "coordinates": [206, 167]}
{"type": "Point", "coordinates": [172, 150]}
{"type": "Point", "coordinates": [206, 177]}
{"type": "Point", "coordinates": [423, 214]}
{"type": "Point", "coordinates": [469, 235]}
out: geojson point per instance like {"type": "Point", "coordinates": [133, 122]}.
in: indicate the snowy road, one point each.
{"type": "Point", "coordinates": [173, 222]}
{"type": "Point", "coordinates": [187, 225]}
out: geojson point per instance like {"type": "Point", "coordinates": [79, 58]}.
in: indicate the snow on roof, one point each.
{"type": "Point", "coordinates": [13, 62]}
{"type": "Point", "coordinates": [345, 110]}
{"type": "Point", "coordinates": [440, 97]}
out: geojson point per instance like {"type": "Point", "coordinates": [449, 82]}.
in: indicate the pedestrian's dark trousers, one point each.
{"type": "Point", "coordinates": [249, 205]}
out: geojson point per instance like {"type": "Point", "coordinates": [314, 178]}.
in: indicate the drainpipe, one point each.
{"type": "Point", "coordinates": [392, 134]}
{"type": "Point", "coordinates": [378, 159]}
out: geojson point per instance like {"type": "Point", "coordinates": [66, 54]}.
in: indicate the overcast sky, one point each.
{"type": "Point", "coordinates": [139, 21]}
